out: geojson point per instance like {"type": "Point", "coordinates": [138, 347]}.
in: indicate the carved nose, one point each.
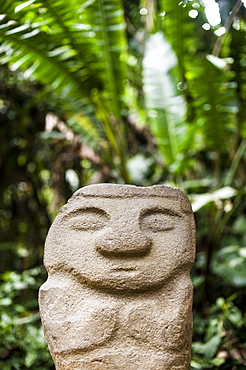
{"type": "Point", "coordinates": [122, 243]}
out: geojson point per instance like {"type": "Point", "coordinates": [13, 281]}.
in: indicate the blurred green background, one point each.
{"type": "Point", "coordinates": [139, 92]}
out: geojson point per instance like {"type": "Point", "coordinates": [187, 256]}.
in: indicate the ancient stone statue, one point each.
{"type": "Point", "coordinates": [119, 294]}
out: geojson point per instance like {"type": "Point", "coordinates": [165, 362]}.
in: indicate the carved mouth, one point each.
{"type": "Point", "coordinates": [133, 268]}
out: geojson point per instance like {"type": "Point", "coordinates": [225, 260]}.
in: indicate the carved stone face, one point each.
{"type": "Point", "coordinates": [122, 237]}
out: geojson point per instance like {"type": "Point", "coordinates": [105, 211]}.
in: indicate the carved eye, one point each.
{"type": "Point", "coordinates": [88, 219]}
{"type": "Point", "coordinates": [157, 221]}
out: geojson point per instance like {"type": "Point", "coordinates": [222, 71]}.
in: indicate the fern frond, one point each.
{"type": "Point", "coordinates": [166, 107]}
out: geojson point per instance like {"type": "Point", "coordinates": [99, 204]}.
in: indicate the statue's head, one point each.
{"type": "Point", "coordinates": [122, 237]}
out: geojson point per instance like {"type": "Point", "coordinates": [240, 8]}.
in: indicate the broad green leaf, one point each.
{"type": "Point", "coordinates": [229, 264]}
{"type": "Point", "coordinates": [211, 346]}
{"type": "Point", "coordinates": [199, 201]}
{"type": "Point", "coordinates": [30, 358]}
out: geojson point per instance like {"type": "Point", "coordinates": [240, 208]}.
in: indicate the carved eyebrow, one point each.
{"type": "Point", "coordinates": [87, 209]}
{"type": "Point", "coordinates": [152, 210]}
{"type": "Point", "coordinates": [87, 219]}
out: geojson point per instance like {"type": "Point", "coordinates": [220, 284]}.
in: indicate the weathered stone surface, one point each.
{"type": "Point", "coordinates": [119, 294]}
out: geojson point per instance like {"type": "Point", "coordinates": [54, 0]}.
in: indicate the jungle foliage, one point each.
{"type": "Point", "coordinates": [142, 92]}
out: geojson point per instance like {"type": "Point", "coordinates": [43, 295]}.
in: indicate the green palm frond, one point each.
{"type": "Point", "coordinates": [41, 49]}
{"type": "Point", "coordinates": [8, 6]}
{"type": "Point", "coordinates": [214, 101]}
{"type": "Point", "coordinates": [107, 20]}
{"type": "Point", "coordinates": [77, 48]}
{"type": "Point", "coordinates": [166, 107]}
{"type": "Point", "coordinates": [178, 27]}
{"type": "Point", "coordinates": [71, 46]}
{"type": "Point", "coordinates": [207, 83]}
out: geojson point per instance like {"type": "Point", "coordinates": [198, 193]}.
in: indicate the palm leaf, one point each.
{"type": "Point", "coordinates": [209, 86]}
{"type": "Point", "coordinates": [166, 108]}
{"type": "Point", "coordinates": [179, 29]}
{"type": "Point", "coordinates": [107, 21]}
{"type": "Point", "coordinates": [77, 48]}
{"type": "Point", "coordinates": [214, 102]}
{"type": "Point", "coordinates": [50, 36]}
{"type": "Point", "coordinates": [38, 49]}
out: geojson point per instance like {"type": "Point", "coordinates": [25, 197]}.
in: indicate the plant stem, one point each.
{"type": "Point", "coordinates": [219, 42]}
{"type": "Point", "coordinates": [235, 163]}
